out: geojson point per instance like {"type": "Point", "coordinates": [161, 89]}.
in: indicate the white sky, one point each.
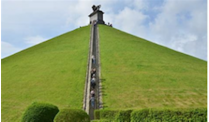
{"type": "Point", "coordinates": [177, 24]}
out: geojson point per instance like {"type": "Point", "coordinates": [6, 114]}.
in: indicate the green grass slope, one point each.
{"type": "Point", "coordinates": [139, 74]}
{"type": "Point", "coordinates": [53, 71]}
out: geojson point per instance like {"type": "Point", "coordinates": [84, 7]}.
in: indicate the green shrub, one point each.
{"type": "Point", "coordinates": [152, 115]}
{"type": "Point", "coordinates": [96, 114]}
{"type": "Point", "coordinates": [40, 112]}
{"type": "Point", "coordinates": [101, 120]}
{"type": "Point", "coordinates": [180, 115]}
{"type": "Point", "coordinates": [95, 120]}
{"type": "Point", "coordinates": [108, 114]}
{"type": "Point", "coordinates": [197, 115]}
{"type": "Point", "coordinates": [123, 116]}
{"type": "Point", "coordinates": [72, 115]}
{"type": "Point", "coordinates": [139, 115]}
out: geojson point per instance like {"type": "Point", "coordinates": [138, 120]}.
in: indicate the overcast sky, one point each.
{"type": "Point", "coordinates": [177, 24]}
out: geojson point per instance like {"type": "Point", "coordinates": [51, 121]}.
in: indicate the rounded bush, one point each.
{"type": "Point", "coordinates": [40, 112]}
{"type": "Point", "coordinates": [72, 115]}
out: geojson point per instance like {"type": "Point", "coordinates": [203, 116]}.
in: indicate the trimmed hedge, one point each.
{"type": "Point", "coordinates": [72, 115]}
{"type": "Point", "coordinates": [108, 114]}
{"type": "Point", "coordinates": [196, 115]}
{"type": "Point", "coordinates": [153, 115]}
{"type": "Point", "coordinates": [95, 120]}
{"type": "Point", "coordinates": [40, 112]}
{"type": "Point", "coordinates": [96, 114]}
{"type": "Point", "coordinates": [139, 115]}
{"type": "Point", "coordinates": [101, 120]}
{"type": "Point", "coordinates": [123, 116]}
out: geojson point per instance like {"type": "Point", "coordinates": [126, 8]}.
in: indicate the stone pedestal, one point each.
{"type": "Point", "coordinates": [97, 16]}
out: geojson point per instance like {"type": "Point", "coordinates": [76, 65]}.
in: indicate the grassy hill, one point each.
{"type": "Point", "coordinates": [53, 71]}
{"type": "Point", "coordinates": [139, 74]}
{"type": "Point", "coordinates": [136, 74]}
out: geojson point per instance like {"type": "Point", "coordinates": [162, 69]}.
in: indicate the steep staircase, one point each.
{"type": "Point", "coordinates": [93, 50]}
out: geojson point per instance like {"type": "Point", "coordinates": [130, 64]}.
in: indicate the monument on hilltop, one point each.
{"type": "Point", "coordinates": [96, 15]}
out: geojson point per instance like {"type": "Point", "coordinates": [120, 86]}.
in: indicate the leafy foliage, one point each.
{"type": "Point", "coordinates": [72, 115]}
{"type": "Point", "coordinates": [40, 112]}
{"type": "Point", "coordinates": [196, 115]}
{"type": "Point", "coordinates": [96, 114]}
{"type": "Point", "coordinates": [123, 116]}
{"type": "Point", "coordinates": [108, 114]}
{"type": "Point", "coordinates": [154, 115]}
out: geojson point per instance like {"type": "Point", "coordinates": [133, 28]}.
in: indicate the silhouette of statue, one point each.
{"type": "Point", "coordinates": [95, 8]}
